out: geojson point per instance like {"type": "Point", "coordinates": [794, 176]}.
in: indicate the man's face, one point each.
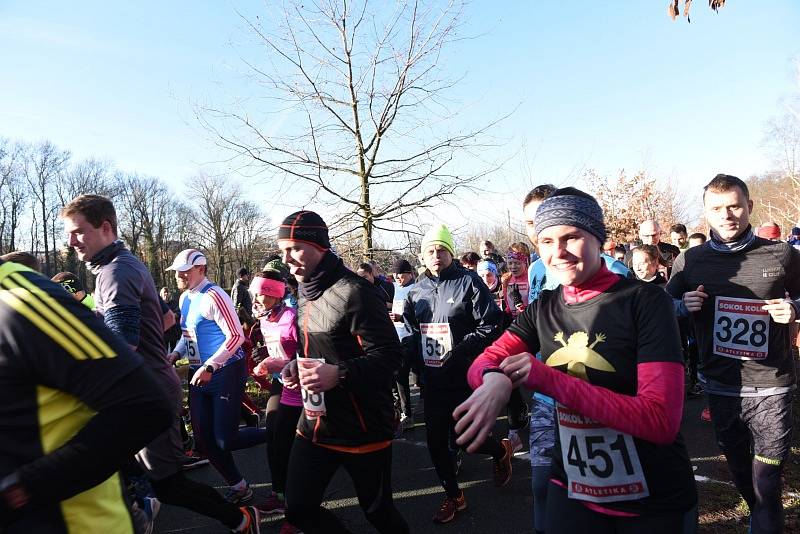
{"type": "Point", "coordinates": [619, 256]}
{"type": "Point", "coordinates": [366, 275]}
{"type": "Point", "coordinates": [489, 279]}
{"type": "Point", "coordinates": [678, 239]}
{"type": "Point", "coordinates": [165, 294]}
{"type": "Point", "coordinates": [190, 278]}
{"type": "Point", "coordinates": [301, 258]}
{"type": "Point", "coordinates": [529, 212]}
{"type": "Point", "coordinates": [571, 254]}
{"type": "Point", "coordinates": [486, 249]}
{"type": "Point", "coordinates": [436, 258]}
{"type": "Point", "coordinates": [649, 233]}
{"type": "Point", "coordinates": [727, 213]}
{"type": "Point", "coordinates": [245, 278]}
{"type": "Point", "coordinates": [85, 238]}
{"type": "Point", "coordinates": [643, 266]}
{"type": "Point", "coordinates": [695, 242]}
{"type": "Point", "coordinates": [403, 279]}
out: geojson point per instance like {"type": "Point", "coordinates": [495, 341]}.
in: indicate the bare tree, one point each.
{"type": "Point", "coordinates": [674, 8]}
{"type": "Point", "coordinates": [12, 191]}
{"type": "Point", "coordinates": [44, 166]}
{"type": "Point", "coordinates": [218, 204]}
{"type": "Point", "coordinates": [363, 100]}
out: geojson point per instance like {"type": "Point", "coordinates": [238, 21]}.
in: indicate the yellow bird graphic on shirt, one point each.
{"type": "Point", "coordinates": [577, 354]}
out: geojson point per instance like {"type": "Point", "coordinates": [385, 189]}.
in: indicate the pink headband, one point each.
{"type": "Point", "coordinates": [268, 287]}
{"type": "Point", "coordinates": [520, 257]}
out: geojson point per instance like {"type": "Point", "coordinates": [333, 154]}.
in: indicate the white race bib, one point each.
{"type": "Point", "coordinates": [192, 350]}
{"type": "Point", "coordinates": [437, 342]}
{"type": "Point", "coordinates": [274, 347]}
{"type": "Point", "coordinates": [313, 403]}
{"type": "Point", "coordinates": [741, 329]}
{"type": "Point", "coordinates": [601, 464]}
{"type": "Point", "coordinates": [397, 310]}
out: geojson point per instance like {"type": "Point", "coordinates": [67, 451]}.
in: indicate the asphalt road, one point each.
{"type": "Point", "coordinates": [417, 491]}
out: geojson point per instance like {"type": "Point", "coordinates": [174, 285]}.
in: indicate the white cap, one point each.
{"type": "Point", "coordinates": [186, 259]}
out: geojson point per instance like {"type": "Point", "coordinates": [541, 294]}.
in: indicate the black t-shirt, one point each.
{"type": "Point", "coordinates": [630, 323]}
{"type": "Point", "coordinates": [730, 325]}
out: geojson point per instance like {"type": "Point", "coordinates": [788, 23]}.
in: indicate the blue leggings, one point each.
{"type": "Point", "coordinates": [215, 409]}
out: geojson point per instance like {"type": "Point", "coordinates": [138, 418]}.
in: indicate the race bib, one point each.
{"type": "Point", "coordinates": [274, 347]}
{"type": "Point", "coordinates": [397, 310]}
{"type": "Point", "coordinates": [601, 464]}
{"type": "Point", "coordinates": [313, 403]}
{"type": "Point", "coordinates": [741, 329]}
{"type": "Point", "coordinates": [192, 351]}
{"type": "Point", "coordinates": [437, 342]}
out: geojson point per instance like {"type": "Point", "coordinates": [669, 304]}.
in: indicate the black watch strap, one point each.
{"type": "Point", "coordinates": [209, 368]}
{"type": "Point", "coordinates": [492, 370]}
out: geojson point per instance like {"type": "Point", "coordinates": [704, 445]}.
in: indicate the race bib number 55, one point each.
{"type": "Point", "coordinates": [741, 329]}
{"type": "Point", "coordinates": [437, 342]}
{"type": "Point", "coordinates": [601, 463]}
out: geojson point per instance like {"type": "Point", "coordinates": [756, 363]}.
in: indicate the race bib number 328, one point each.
{"type": "Point", "coordinates": [741, 329]}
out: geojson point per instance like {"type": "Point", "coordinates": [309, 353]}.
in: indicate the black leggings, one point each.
{"type": "Point", "coordinates": [180, 491]}
{"type": "Point", "coordinates": [440, 427]}
{"type": "Point", "coordinates": [568, 516]}
{"type": "Point", "coordinates": [311, 469]}
{"type": "Point", "coordinates": [281, 425]}
{"type": "Point", "coordinates": [516, 410]}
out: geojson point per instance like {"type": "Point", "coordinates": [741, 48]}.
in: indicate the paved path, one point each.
{"type": "Point", "coordinates": [418, 494]}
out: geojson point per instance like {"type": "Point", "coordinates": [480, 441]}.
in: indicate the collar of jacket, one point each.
{"type": "Point", "coordinates": [451, 271]}
{"type": "Point", "coordinates": [105, 256]}
{"type": "Point", "coordinates": [324, 276]}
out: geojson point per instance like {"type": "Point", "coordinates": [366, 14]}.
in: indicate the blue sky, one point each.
{"type": "Point", "coordinates": [594, 86]}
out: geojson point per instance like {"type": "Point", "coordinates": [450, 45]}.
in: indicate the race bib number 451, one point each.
{"type": "Point", "coordinates": [437, 342]}
{"type": "Point", "coordinates": [601, 463]}
{"type": "Point", "coordinates": [741, 329]}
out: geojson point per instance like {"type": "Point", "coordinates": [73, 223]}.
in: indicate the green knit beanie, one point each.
{"type": "Point", "coordinates": [439, 235]}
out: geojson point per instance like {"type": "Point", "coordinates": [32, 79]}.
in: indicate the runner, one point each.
{"type": "Point", "coordinates": [58, 458]}
{"type": "Point", "coordinates": [279, 330]}
{"type": "Point", "coordinates": [614, 364]}
{"type": "Point", "coordinates": [242, 302]}
{"type": "Point", "coordinates": [404, 280]}
{"type": "Point", "coordinates": [470, 260]}
{"type": "Point", "coordinates": [678, 236]}
{"type": "Point", "coordinates": [646, 263]}
{"type": "Point", "coordinates": [350, 353]}
{"type": "Point", "coordinates": [490, 275]}
{"type": "Point", "coordinates": [734, 287]}
{"type": "Point", "coordinates": [453, 318]}
{"type": "Point", "coordinates": [515, 281]}
{"type": "Point", "coordinates": [126, 298]}
{"type": "Point", "coordinates": [212, 339]}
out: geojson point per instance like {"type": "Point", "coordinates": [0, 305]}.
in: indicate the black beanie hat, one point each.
{"type": "Point", "coordinates": [402, 266]}
{"type": "Point", "coordinates": [306, 227]}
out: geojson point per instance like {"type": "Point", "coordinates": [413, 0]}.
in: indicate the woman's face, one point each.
{"type": "Point", "coordinates": [515, 267]}
{"type": "Point", "coordinates": [643, 265]}
{"type": "Point", "coordinates": [267, 302]}
{"type": "Point", "coordinates": [489, 279]}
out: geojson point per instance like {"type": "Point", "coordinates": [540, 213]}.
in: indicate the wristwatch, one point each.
{"type": "Point", "coordinates": [210, 369]}
{"type": "Point", "coordinates": [342, 373]}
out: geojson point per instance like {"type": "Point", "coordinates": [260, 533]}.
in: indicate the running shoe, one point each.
{"type": "Point", "coordinates": [235, 496]}
{"type": "Point", "coordinates": [191, 460]}
{"type": "Point", "coordinates": [288, 528]}
{"type": "Point", "coordinates": [272, 505]}
{"type": "Point", "coordinates": [447, 511]}
{"type": "Point", "coordinates": [502, 467]}
{"type": "Point", "coordinates": [705, 415]}
{"type": "Point", "coordinates": [516, 441]}
{"type": "Point", "coordinates": [252, 521]}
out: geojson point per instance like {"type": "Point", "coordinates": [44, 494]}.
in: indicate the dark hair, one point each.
{"type": "Point", "coordinates": [271, 275]}
{"type": "Point", "coordinates": [620, 248]}
{"type": "Point", "coordinates": [651, 251]}
{"type": "Point", "coordinates": [366, 267]}
{"type": "Point", "coordinates": [698, 235]}
{"type": "Point", "coordinates": [243, 272]}
{"type": "Point", "coordinates": [471, 258]}
{"type": "Point", "coordinates": [95, 208]}
{"type": "Point", "coordinates": [540, 192]}
{"type": "Point", "coordinates": [678, 228]}
{"type": "Point", "coordinates": [722, 183]}
{"type": "Point", "coordinates": [23, 258]}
